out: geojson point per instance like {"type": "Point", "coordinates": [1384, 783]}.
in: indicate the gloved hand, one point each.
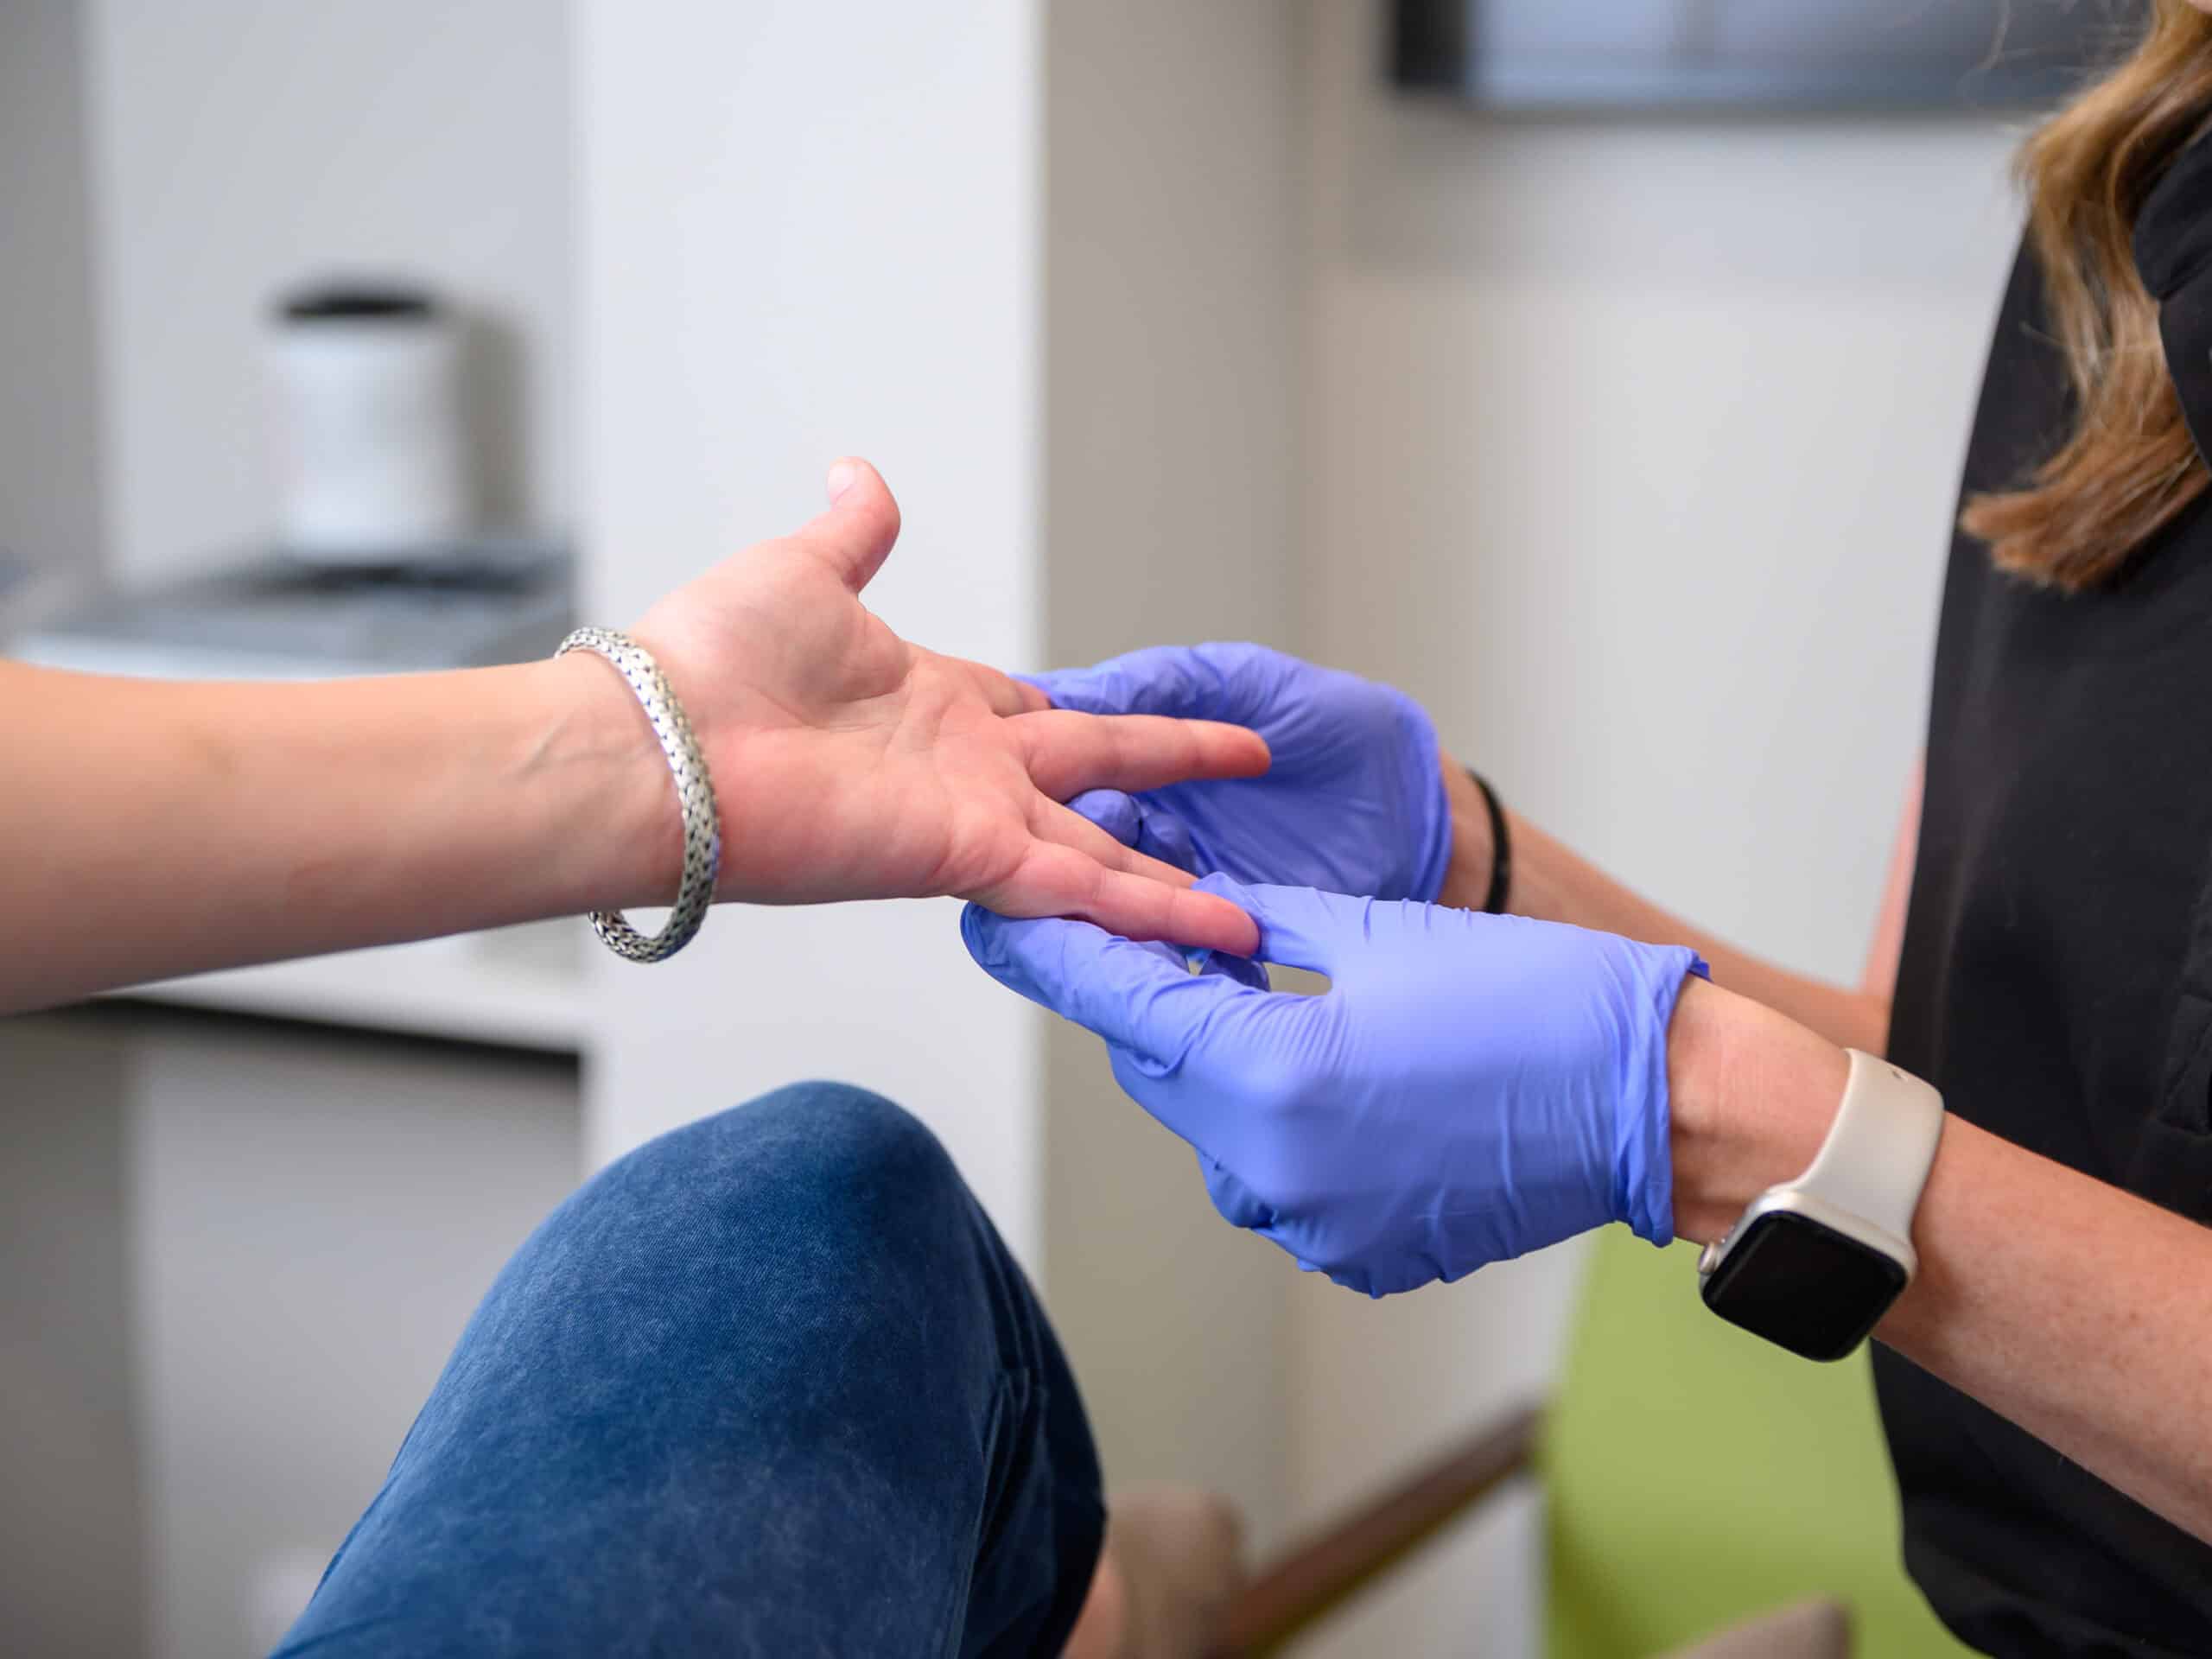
{"type": "Point", "coordinates": [1353, 802]}
{"type": "Point", "coordinates": [1469, 1088]}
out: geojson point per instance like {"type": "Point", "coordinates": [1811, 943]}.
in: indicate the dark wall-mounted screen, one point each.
{"type": "Point", "coordinates": [1758, 55]}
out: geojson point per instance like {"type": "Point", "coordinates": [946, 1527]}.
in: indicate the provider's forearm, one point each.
{"type": "Point", "coordinates": [149, 829]}
{"type": "Point", "coordinates": [2072, 1308]}
{"type": "Point", "coordinates": [1553, 882]}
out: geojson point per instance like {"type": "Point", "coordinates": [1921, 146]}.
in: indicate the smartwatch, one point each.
{"type": "Point", "coordinates": [1812, 1264]}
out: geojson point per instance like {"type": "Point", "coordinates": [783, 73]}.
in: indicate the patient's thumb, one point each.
{"type": "Point", "coordinates": [856, 533]}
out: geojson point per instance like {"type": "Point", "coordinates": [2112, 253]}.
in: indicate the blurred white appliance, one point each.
{"type": "Point", "coordinates": [375, 463]}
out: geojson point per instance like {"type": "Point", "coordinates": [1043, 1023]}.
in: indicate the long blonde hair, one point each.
{"type": "Point", "coordinates": [2128, 467]}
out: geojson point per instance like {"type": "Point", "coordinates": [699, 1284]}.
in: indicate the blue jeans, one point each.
{"type": "Point", "coordinates": [769, 1385]}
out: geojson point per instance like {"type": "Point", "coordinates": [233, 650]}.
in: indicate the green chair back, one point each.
{"type": "Point", "coordinates": [1695, 1475]}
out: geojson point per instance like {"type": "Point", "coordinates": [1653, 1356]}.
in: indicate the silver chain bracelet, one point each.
{"type": "Point", "coordinates": [695, 798]}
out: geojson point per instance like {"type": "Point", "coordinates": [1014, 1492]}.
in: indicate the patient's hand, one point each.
{"type": "Point", "coordinates": [1354, 802]}
{"type": "Point", "coordinates": [849, 763]}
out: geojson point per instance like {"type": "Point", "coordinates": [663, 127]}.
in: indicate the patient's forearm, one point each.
{"type": "Point", "coordinates": [1552, 882]}
{"type": "Point", "coordinates": [148, 830]}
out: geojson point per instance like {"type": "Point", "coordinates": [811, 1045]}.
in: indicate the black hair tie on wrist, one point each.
{"type": "Point", "coordinates": [1501, 849]}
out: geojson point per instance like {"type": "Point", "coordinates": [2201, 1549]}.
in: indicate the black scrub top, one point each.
{"type": "Point", "coordinates": [2056, 977]}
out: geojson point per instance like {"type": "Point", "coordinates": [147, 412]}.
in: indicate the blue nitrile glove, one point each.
{"type": "Point", "coordinates": [1469, 1088]}
{"type": "Point", "coordinates": [1354, 802]}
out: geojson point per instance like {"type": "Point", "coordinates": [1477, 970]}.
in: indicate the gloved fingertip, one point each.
{"type": "Point", "coordinates": [1115, 812]}
{"type": "Point", "coordinates": [1229, 887]}
{"type": "Point", "coordinates": [1238, 1204]}
{"type": "Point", "coordinates": [1165, 836]}
{"type": "Point", "coordinates": [984, 937]}
{"type": "Point", "coordinates": [1300, 927]}
{"type": "Point", "coordinates": [1062, 686]}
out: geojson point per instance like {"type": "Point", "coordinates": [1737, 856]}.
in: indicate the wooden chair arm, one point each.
{"type": "Point", "coordinates": [1310, 1581]}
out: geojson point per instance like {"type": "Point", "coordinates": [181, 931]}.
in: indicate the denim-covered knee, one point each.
{"type": "Point", "coordinates": [819, 1234]}
{"type": "Point", "coordinates": [832, 1136]}
{"type": "Point", "coordinates": [813, 1165]}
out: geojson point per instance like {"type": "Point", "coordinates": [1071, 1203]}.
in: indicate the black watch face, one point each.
{"type": "Point", "coordinates": [1803, 1285]}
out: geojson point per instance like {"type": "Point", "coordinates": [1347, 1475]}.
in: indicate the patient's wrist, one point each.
{"type": "Point", "coordinates": [608, 803]}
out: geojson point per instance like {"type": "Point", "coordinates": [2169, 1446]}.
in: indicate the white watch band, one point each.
{"type": "Point", "coordinates": [1876, 1159]}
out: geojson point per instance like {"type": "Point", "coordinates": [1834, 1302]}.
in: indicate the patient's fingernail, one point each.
{"type": "Point", "coordinates": [843, 475]}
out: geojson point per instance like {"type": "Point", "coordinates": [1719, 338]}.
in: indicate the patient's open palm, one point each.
{"type": "Point", "coordinates": [850, 764]}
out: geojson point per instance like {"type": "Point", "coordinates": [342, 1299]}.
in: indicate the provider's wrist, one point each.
{"type": "Point", "coordinates": [1467, 876]}
{"type": "Point", "coordinates": [1750, 1095]}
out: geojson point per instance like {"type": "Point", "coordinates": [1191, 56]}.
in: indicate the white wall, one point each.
{"type": "Point", "coordinates": [242, 145]}
{"type": "Point", "coordinates": [49, 465]}
{"type": "Point", "coordinates": [1173, 302]}
{"type": "Point", "coordinates": [806, 231]}
{"type": "Point", "coordinates": [1630, 450]}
